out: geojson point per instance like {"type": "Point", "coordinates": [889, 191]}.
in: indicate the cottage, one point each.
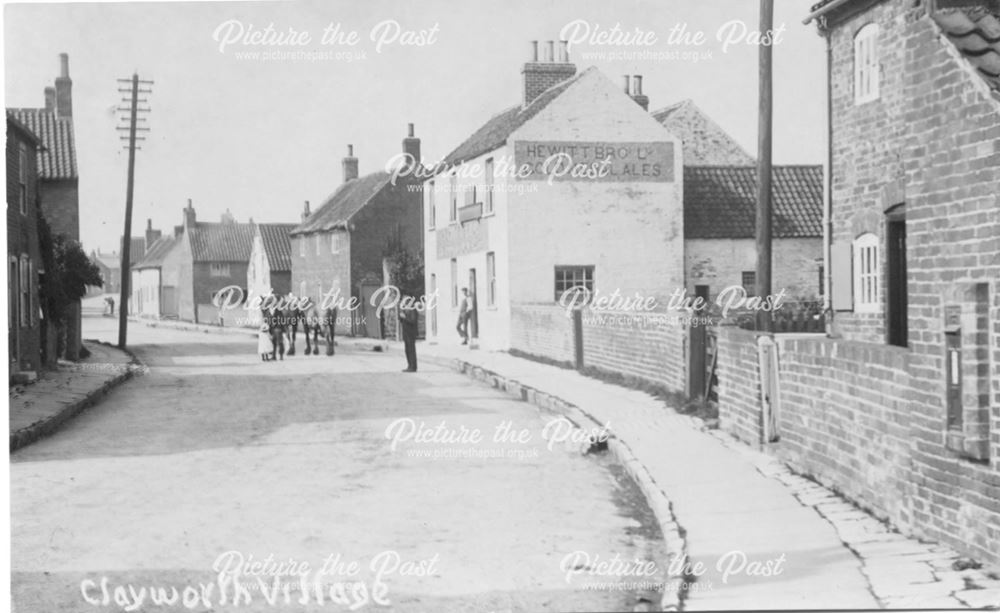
{"type": "Point", "coordinates": [898, 407]}
{"type": "Point", "coordinates": [147, 296]}
{"type": "Point", "coordinates": [537, 200]}
{"type": "Point", "coordinates": [58, 181]}
{"type": "Point", "coordinates": [24, 334]}
{"type": "Point", "coordinates": [110, 267]}
{"type": "Point", "coordinates": [270, 266]}
{"type": "Point", "coordinates": [339, 249]}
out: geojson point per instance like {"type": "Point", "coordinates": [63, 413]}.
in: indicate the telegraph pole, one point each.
{"type": "Point", "coordinates": [765, 319]}
{"type": "Point", "coordinates": [126, 272]}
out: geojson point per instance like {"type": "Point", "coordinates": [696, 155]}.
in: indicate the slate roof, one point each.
{"type": "Point", "coordinates": [220, 242]}
{"type": "Point", "coordinates": [975, 32]}
{"type": "Point", "coordinates": [721, 201]}
{"type": "Point", "coordinates": [58, 158]}
{"type": "Point", "coordinates": [494, 133]}
{"type": "Point", "coordinates": [338, 209]}
{"type": "Point", "coordinates": [277, 244]}
{"type": "Point", "coordinates": [156, 253]}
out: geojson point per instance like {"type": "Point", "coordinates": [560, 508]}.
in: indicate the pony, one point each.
{"type": "Point", "coordinates": [317, 322]}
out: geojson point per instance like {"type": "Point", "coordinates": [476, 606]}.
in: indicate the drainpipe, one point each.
{"type": "Point", "coordinates": [828, 192]}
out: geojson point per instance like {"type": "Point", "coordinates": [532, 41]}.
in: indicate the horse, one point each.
{"type": "Point", "coordinates": [295, 317]}
{"type": "Point", "coordinates": [276, 320]}
{"type": "Point", "coordinates": [316, 321]}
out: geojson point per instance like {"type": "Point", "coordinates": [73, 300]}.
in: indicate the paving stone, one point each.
{"type": "Point", "coordinates": [980, 599]}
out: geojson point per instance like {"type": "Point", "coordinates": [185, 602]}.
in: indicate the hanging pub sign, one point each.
{"type": "Point", "coordinates": [621, 162]}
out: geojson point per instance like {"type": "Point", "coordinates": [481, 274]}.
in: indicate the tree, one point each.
{"type": "Point", "coordinates": [406, 271]}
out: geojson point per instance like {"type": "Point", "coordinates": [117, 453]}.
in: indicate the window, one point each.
{"type": "Point", "coordinates": [491, 279]}
{"type": "Point", "coordinates": [434, 312]}
{"type": "Point", "coordinates": [895, 284]}
{"type": "Point", "coordinates": [13, 295]}
{"type": "Point", "coordinates": [748, 278]}
{"type": "Point", "coordinates": [489, 186]}
{"type": "Point", "coordinates": [335, 242]}
{"type": "Point", "coordinates": [470, 195]}
{"type": "Point", "coordinates": [302, 246]}
{"type": "Point", "coordinates": [866, 70]}
{"type": "Point", "coordinates": [319, 244]}
{"type": "Point", "coordinates": [866, 274]}
{"type": "Point", "coordinates": [22, 177]}
{"type": "Point", "coordinates": [453, 198]}
{"type": "Point", "coordinates": [431, 211]}
{"type": "Point", "coordinates": [24, 291]}
{"type": "Point", "coordinates": [454, 282]}
{"type": "Point", "coordinates": [218, 269]}
{"type": "Point", "coordinates": [574, 277]}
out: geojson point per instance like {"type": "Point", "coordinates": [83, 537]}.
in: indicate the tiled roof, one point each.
{"type": "Point", "coordinates": [58, 159]}
{"type": "Point", "coordinates": [338, 209]}
{"type": "Point", "coordinates": [721, 201]}
{"type": "Point", "coordinates": [137, 248]}
{"type": "Point", "coordinates": [12, 122]}
{"type": "Point", "coordinates": [221, 242]}
{"type": "Point", "coordinates": [494, 133]}
{"type": "Point", "coordinates": [975, 32]}
{"type": "Point", "coordinates": [277, 244]}
{"type": "Point", "coordinates": [156, 252]}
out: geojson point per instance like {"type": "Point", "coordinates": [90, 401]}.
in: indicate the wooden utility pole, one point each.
{"type": "Point", "coordinates": [765, 320]}
{"type": "Point", "coordinates": [126, 266]}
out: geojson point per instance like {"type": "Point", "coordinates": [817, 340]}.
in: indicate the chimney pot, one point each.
{"type": "Point", "coordinates": [551, 51]}
{"type": "Point", "coordinates": [350, 165]}
{"type": "Point", "coordinates": [637, 84]}
{"type": "Point", "coordinates": [64, 65]}
{"type": "Point", "coordinates": [409, 130]}
{"type": "Point", "coordinates": [537, 77]}
{"type": "Point", "coordinates": [411, 148]}
{"type": "Point", "coordinates": [534, 51]}
{"type": "Point", "coordinates": [149, 224]}
{"type": "Point", "coordinates": [350, 151]}
{"type": "Point", "coordinates": [564, 51]}
{"type": "Point", "coordinates": [64, 89]}
{"type": "Point", "coordinates": [628, 90]}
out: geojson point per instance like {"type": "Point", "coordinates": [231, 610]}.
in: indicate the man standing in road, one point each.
{"type": "Point", "coordinates": [464, 313]}
{"type": "Point", "coordinates": [408, 323]}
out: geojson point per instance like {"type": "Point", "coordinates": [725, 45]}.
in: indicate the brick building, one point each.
{"type": "Point", "coordinates": [705, 143]}
{"type": "Point", "coordinates": [518, 239]}
{"type": "Point", "coordinates": [720, 250]}
{"type": "Point", "coordinates": [58, 185]}
{"type": "Point", "coordinates": [898, 406]}
{"type": "Point", "coordinates": [24, 264]}
{"type": "Point", "coordinates": [342, 244]}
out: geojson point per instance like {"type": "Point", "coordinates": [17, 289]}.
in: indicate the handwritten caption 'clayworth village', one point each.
{"type": "Point", "coordinates": [287, 582]}
{"type": "Point", "coordinates": [734, 297]}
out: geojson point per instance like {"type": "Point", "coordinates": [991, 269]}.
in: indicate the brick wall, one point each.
{"type": "Point", "coordinates": [322, 271]}
{"type": "Point", "coordinates": [651, 347]}
{"type": "Point", "coordinates": [705, 143]}
{"type": "Point", "coordinates": [61, 206]}
{"type": "Point", "coordinates": [739, 388]}
{"type": "Point", "coordinates": [24, 348]}
{"type": "Point", "coordinates": [719, 263]}
{"type": "Point", "coordinates": [542, 330]}
{"type": "Point", "coordinates": [206, 285]}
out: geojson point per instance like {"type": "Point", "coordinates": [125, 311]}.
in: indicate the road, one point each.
{"type": "Point", "coordinates": [185, 476]}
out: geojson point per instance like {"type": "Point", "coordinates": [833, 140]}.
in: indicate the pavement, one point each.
{"type": "Point", "coordinates": [39, 408]}
{"type": "Point", "coordinates": [214, 456]}
{"type": "Point", "coordinates": [765, 537]}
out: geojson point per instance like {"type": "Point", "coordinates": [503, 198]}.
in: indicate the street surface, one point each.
{"type": "Point", "coordinates": [214, 451]}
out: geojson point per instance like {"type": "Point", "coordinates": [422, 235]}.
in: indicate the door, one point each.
{"type": "Point", "coordinates": [13, 317]}
{"type": "Point", "coordinates": [896, 283]}
{"type": "Point", "coordinates": [474, 307]}
{"type": "Point", "coordinates": [370, 324]}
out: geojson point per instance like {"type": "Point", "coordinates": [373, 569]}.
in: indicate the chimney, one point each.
{"type": "Point", "coordinates": [151, 234]}
{"type": "Point", "coordinates": [305, 212]}
{"type": "Point", "coordinates": [64, 89]}
{"type": "Point", "coordinates": [350, 165]}
{"type": "Point", "coordinates": [189, 216]}
{"type": "Point", "coordinates": [637, 94]}
{"type": "Point", "coordinates": [50, 99]}
{"type": "Point", "coordinates": [541, 75]}
{"type": "Point", "coordinates": [227, 218]}
{"type": "Point", "coordinates": [411, 147]}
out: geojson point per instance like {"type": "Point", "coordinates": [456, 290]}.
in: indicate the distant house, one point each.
{"type": "Point", "coordinates": [342, 244]}
{"type": "Point", "coordinates": [147, 284]}
{"type": "Point", "coordinates": [720, 250]}
{"type": "Point", "coordinates": [24, 334]}
{"type": "Point", "coordinates": [705, 143]}
{"type": "Point", "coordinates": [110, 265]}
{"type": "Point", "coordinates": [58, 185]}
{"type": "Point", "coordinates": [270, 264]}
{"type": "Point", "coordinates": [205, 258]}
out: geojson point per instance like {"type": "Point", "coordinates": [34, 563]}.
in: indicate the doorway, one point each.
{"type": "Point", "coordinates": [473, 307]}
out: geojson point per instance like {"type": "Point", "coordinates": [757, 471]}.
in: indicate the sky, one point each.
{"type": "Point", "coordinates": [260, 136]}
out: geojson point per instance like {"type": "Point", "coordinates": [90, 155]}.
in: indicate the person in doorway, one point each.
{"type": "Point", "coordinates": [408, 324]}
{"type": "Point", "coordinates": [464, 313]}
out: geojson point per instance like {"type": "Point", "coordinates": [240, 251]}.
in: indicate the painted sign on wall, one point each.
{"type": "Point", "coordinates": [456, 240]}
{"type": "Point", "coordinates": [591, 161]}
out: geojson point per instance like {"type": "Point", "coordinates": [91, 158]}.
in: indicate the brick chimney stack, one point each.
{"type": "Point", "coordinates": [64, 89]}
{"type": "Point", "coordinates": [637, 94]}
{"type": "Point", "coordinates": [151, 234]}
{"type": "Point", "coordinates": [227, 218]}
{"type": "Point", "coordinates": [189, 216]}
{"type": "Point", "coordinates": [305, 212]}
{"type": "Point", "coordinates": [350, 165]}
{"type": "Point", "coordinates": [541, 75]}
{"type": "Point", "coordinates": [411, 146]}
{"type": "Point", "coordinates": [50, 99]}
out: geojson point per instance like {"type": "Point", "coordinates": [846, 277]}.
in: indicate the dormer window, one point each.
{"type": "Point", "coordinates": [866, 73]}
